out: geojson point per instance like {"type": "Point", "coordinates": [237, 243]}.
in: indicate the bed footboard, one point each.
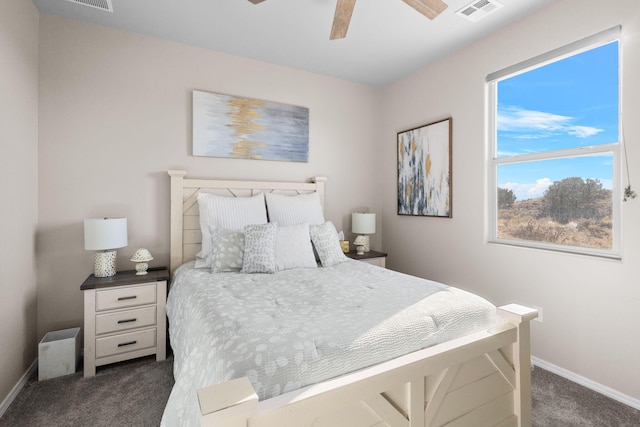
{"type": "Point", "coordinates": [483, 379]}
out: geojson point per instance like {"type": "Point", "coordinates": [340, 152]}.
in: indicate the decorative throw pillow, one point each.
{"type": "Point", "coordinates": [231, 213]}
{"type": "Point", "coordinates": [259, 248]}
{"type": "Point", "coordinates": [315, 251]}
{"type": "Point", "coordinates": [227, 250]}
{"type": "Point", "coordinates": [294, 210]}
{"type": "Point", "coordinates": [325, 240]}
{"type": "Point", "coordinates": [293, 247]}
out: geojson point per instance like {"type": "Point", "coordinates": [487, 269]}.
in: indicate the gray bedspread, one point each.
{"type": "Point", "coordinates": [297, 327]}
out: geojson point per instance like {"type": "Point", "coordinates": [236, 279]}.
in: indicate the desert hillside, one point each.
{"type": "Point", "coordinates": [525, 220]}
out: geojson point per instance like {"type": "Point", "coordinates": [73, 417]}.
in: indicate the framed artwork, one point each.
{"type": "Point", "coordinates": [424, 170]}
{"type": "Point", "coordinates": [245, 128]}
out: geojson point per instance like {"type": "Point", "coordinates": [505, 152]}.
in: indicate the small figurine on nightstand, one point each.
{"type": "Point", "coordinates": [141, 258]}
{"type": "Point", "coordinates": [361, 244]}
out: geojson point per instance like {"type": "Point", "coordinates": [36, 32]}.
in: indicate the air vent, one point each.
{"type": "Point", "coordinates": [105, 5]}
{"type": "Point", "coordinates": [478, 9]}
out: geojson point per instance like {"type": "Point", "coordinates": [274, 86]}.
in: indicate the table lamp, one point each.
{"type": "Point", "coordinates": [141, 258]}
{"type": "Point", "coordinates": [105, 235]}
{"type": "Point", "coordinates": [363, 224]}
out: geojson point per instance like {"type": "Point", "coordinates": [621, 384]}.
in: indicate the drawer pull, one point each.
{"type": "Point", "coordinates": [126, 298]}
{"type": "Point", "coordinates": [124, 344]}
{"type": "Point", "coordinates": [126, 321]}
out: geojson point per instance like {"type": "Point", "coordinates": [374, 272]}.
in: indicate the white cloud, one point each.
{"type": "Point", "coordinates": [516, 118]}
{"type": "Point", "coordinates": [584, 131]}
{"type": "Point", "coordinates": [533, 124]}
{"type": "Point", "coordinates": [528, 190]}
{"type": "Point", "coordinates": [539, 187]}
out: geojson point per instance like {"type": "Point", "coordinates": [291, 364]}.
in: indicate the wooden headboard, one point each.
{"type": "Point", "coordinates": [185, 219]}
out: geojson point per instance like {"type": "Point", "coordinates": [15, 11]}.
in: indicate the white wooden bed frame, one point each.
{"type": "Point", "coordinates": [483, 379]}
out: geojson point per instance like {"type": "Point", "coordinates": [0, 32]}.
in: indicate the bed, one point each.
{"type": "Point", "coordinates": [314, 346]}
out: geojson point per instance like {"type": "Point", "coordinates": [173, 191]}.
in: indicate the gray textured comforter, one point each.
{"type": "Point", "coordinates": [297, 327]}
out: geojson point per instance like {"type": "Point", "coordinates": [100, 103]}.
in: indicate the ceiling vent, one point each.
{"type": "Point", "coordinates": [478, 9]}
{"type": "Point", "coordinates": [105, 5]}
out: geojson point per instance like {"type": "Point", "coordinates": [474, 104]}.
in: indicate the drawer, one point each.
{"type": "Point", "coordinates": [127, 319]}
{"type": "Point", "coordinates": [129, 296]}
{"type": "Point", "coordinates": [122, 343]}
{"type": "Point", "coordinates": [375, 261]}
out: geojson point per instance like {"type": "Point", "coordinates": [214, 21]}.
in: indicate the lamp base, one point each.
{"type": "Point", "coordinates": [105, 264]}
{"type": "Point", "coordinates": [364, 241]}
{"type": "Point", "coordinates": [141, 268]}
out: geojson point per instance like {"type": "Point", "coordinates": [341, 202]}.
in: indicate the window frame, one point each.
{"type": "Point", "coordinates": [614, 148]}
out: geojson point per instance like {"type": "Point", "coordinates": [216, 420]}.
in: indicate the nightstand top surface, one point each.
{"type": "Point", "coordinates": [128, 277]}
{"type": "Point", "coordinates": [367, 255]}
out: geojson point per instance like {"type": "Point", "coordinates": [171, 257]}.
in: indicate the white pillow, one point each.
{"type": "Point", "coordinates": [259, 248]}
{"type": "Point", "coordinates": [227, 250]}
{"type": "Point", "coordinates": [325, 240]}
{"type": "Point", "coordinates": [293, 247]}
{"type": "Point", "coordinates": [231, 213]}
{"type": "Point", "coordinates": [294, 210]}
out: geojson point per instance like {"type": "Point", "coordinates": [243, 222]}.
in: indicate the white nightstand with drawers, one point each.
{"type": "Point", "coordinates": [371, 257]}
{"type": "Point", "coordinates": [124, 317]}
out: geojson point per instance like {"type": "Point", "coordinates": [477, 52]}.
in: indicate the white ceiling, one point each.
{"type": "Point", "coordinates": [387, 39]}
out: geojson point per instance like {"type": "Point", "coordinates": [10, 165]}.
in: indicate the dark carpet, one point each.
{"type": "Point", "coordinates": [134, 393]}
{"type": "Point", "coordinates": [558, 402]}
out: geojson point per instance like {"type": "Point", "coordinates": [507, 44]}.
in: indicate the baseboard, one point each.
{"type": "Point", "coordinates": [586, 382]}
{"type": "Point", "coordinates": [18, 387]}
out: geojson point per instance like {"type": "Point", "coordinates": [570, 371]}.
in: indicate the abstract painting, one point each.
{"type": "Point", "coordinates": [424, 170]}
{"type": "Point", "coordinates": [245, 128]}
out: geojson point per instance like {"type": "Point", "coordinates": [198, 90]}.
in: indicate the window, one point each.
{"type": "Point", "coordinates": [555, 149]}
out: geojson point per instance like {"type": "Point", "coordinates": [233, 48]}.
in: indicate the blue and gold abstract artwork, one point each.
{"type": "Point", "coordinates": [245, 128]}
{"type": "Point", "coordinates": [424, 170]}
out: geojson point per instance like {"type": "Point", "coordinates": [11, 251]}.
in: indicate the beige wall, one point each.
{"type": "Point", "coordinates": [19, 188]}
{"type": "Point", "coordinates": [590, 305]}
{"type": "Point", "coordinates": [115, 114]}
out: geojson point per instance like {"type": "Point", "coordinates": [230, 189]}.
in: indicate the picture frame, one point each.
{"type": "Point", "coordinates": [424, 170]}
{"type": "Point", "coordinates": [236, 127]}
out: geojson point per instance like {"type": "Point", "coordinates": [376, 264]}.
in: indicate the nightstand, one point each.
{"type": "Point", "coordinates": [371, 257]}
{"type": "Point", "coordinates": [124, 317]}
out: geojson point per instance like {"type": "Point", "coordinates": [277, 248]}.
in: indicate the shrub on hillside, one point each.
{"type": "Point", "coordinates": [576, 198]}
{"type": "Point", "coordinates": [506, 198]}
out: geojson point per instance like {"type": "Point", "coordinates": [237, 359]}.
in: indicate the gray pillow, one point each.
{"type": "Point", "coordinates": [325, 240]}
{"type": "Point", "coordinates": [259, 248]}
{"type": "Point", "coordinates": [227, 250]}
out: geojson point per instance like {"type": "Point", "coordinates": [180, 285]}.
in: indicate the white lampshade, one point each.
{"type": "Point", "coordinates": [360, 240]}
{"type": "Point", "coordinates": [105, 233]}
{"type": "Point", "coordinates": [363, 223]}
{"type": "Point", "coordinates": [142, 255]}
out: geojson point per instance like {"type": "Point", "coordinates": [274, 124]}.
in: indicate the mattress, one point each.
{"type": "Point", "coordinates": [298, 327]}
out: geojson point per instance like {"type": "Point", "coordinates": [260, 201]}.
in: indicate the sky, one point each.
{"type": "Point", "coordinates": [569, 103]}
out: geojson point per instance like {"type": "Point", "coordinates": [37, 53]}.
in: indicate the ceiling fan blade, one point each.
{"type": "Point", "coordinates": [429, 8]}
{"type": "Point", "coordinates": [256, 1]}
{"type": "Point", "coordinates": [341, 19]}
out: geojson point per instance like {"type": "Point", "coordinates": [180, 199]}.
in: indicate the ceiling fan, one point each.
{"type": "Point", "coordinates": [344, 9]}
